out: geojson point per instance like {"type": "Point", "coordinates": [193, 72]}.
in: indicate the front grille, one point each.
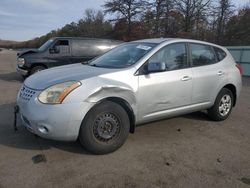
{"type": "Point", "coordinates": [26, 93]}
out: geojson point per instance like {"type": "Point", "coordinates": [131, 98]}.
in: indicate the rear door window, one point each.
{"type": "Point", "coordinates": [202, 54]}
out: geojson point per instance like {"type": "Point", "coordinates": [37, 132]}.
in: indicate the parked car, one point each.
{"type": "Point", "coordinates": [134, 83]}
{"type": "Point", "coordinates": [62, 51]}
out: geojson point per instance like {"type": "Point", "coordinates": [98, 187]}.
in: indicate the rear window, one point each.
{"type": "Point", "coordinates": [220, 53]}
{"type": "Point", "coordinates": [202, 54]}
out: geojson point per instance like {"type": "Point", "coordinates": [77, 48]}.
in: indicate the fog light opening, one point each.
{"type": "Point", "coordinates": [43, 129]}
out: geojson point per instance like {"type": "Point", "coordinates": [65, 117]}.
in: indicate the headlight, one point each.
{"type": "Point", "coordinates": [57, 93]}
{"type": "Point", "coordinates": [20, 62]}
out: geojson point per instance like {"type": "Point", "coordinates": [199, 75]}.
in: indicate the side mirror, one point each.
{"type": "Point", "coordinates": [156, 67]}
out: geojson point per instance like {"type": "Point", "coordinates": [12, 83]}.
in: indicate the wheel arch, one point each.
{"type": "Point", "coordinates": [232, 88]}
{"type": "Point", "coordinates": [126, 106]}
{"type": "Point", "coordinates": [38, 64]}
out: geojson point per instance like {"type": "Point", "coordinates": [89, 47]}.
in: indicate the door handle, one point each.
{"type": "Point", "coordinates": [220, 73]}
{"type": "Point", "coordinates": [186, 78]}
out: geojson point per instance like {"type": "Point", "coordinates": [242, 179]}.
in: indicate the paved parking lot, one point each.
{"type": "Point", "coordinates": [187, 151]}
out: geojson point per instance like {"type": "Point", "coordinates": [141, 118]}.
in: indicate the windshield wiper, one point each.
{"type": "Point", "coordinates": [93, 65]}
{"type": "Point", "coordinates": [105, 66]}
{"type": "Point", "coordinates": [85, 62]}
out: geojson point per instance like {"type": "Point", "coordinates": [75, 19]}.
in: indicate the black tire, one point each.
{"type": "Point", "coordinates": [220, 111]}
{"type": "Point", "coordinates": [105, 128]}
{"type": "Point", "coordinates": [36, 69]}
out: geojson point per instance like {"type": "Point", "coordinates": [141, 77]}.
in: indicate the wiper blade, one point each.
{"type": "Point", "coordinates": [85, 62]}
{"type": "Point", "coordinates": [93, 65]}
{"type": "Point", "coordinates": [105, 66]}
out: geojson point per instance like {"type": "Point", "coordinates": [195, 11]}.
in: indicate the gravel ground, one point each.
{"type": "Point", "coordinates": [187, 151]}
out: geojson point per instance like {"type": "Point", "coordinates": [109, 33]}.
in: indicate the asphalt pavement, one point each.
{"type": "Point", "coordinates": [187, 151]}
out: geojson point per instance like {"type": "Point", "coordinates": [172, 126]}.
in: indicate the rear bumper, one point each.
{"type": "Point", "coordinates": [22, 71]}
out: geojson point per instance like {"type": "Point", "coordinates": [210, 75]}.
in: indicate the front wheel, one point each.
{"type": "Point", "coordinates": [223, 105]}
{"type": "Point", "coordinates": [105, 128]}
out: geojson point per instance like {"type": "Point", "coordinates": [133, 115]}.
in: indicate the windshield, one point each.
{"type": "Point", "coordinates": [45, 45]}
{"type": "Point", "coordinates": [123, 56]}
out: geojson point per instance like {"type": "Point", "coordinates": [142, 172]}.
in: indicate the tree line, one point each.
{"type": "Point", "coordinates": [215, 21]}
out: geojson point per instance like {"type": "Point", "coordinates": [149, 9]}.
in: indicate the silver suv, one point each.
{"type": "Point", "coordinates": [134, 83]}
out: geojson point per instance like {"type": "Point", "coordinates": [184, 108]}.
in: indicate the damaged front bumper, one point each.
{"type": "Point", "coordinates": [56, 122]}
{"type": "Point", "coordinates": [22, 71]}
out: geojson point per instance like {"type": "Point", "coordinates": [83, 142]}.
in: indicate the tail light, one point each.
{"type": "Point", "coordinates": [239, 67]}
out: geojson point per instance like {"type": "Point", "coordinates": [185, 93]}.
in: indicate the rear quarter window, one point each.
{"type": "Point", "coordinates": [221, 54]}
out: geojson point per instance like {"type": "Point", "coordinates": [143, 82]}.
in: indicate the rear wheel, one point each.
{"type": "Point", "coordinates": [223, 105]}
{"type": "Point", "coordinates": [105, 128]}
{"type": "Point", "coordinates": [36, 69]}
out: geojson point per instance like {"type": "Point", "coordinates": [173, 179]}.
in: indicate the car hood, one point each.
{"type": "Point", "coordinates": [28, 51]}
{"type": "Point", "coordinates": [46, 78]}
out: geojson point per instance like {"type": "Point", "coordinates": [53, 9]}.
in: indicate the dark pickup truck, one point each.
{"type": "Point", "coordinates": [62, 51]}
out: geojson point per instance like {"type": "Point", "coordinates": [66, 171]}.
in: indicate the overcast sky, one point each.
{"type": "Point", "coordinates": [25, 19]}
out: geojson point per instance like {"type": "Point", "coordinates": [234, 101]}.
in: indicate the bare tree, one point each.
{"type": "Point", "coordinates": [159, 17]}
{"type": "Point", "coordinates": [170, 18]}
{"type": "Point", "coordinates": [191, 10]}
{"type": "Point", "coordinates": [237, 28]}
{"type": "Point", "coordinates": [160, 10]}
{"type": "Point", "coordinates": [93, 24]}
{"type": "Point", "coordinates": [223, 12]}
{"type": "Point", "coordinates": [127, 9]}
